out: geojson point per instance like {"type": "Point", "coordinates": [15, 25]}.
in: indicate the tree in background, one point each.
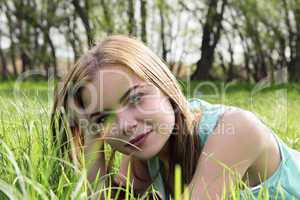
{"type": "Point", "coordinates": [211, 34]}
{"type": "Point", "coordinates": [143, 10]}
{"type": "Point", "coordinates": [82, 9]}
{"type": "Point", "coordinates": [223, 39]}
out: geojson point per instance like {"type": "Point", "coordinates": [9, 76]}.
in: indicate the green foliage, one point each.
{"type": "Point", "coordinates": [30, 169]}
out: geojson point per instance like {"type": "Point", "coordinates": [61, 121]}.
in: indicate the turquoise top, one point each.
{"type": "Point", "coordinates": [283, 184]}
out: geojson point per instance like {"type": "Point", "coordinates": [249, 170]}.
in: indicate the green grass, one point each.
{"type": "Point", "coordinates": [29, 168]}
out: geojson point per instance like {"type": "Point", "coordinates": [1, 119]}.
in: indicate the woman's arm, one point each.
{"type": "Point", "coordinates": [232, 148]}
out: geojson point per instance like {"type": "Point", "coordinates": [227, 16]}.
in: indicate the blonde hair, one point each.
{"type": "Point", "coordinates": [133, 54]}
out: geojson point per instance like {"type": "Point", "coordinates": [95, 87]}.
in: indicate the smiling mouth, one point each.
{"type": "Point", "coordinates": [138, 140]}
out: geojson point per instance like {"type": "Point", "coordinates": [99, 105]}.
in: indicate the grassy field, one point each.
{"type": "Point", "coordinates": [30, 170]}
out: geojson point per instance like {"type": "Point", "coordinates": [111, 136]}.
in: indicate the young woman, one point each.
{"type": "Point", "coordinates": [122, 94]}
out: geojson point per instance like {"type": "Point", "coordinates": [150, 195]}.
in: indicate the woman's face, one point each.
{"type": "Point", "coordinates": [133, 115]}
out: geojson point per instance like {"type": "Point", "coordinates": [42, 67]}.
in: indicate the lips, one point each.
{"type": "Point", "coordinates": [138, 140]}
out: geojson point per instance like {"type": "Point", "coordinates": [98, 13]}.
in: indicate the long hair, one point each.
{"type": "Point", "coordinates": [122, 50]}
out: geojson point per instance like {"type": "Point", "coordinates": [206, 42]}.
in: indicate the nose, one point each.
{"type": "Point", "coordinates": [126, 121]}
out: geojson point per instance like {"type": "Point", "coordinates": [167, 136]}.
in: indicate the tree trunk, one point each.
{"type": "Point", "coordinates": [12, 42]}
{"type": "Point", "coordinates": [211, 35]}
{"type": "Point", "coordinates": [143, 20]}
{"type": "Point", "coordinates": [162, 30]}
{"type": "Point", "coordinates": [222, 64]}
{"type": "Point", "coordinates": [230, 75]}
{"type": "Point", "coordinates": [22, 36]}
{"type": "Point", "coordinates": [131, 26]}
{"type": "Point", "coordinates": [53, 54]}
{"type": "Point", "coordinates": [294, 66]}
{"type": "Point", "coordinates": [203, 67]}
{"type": "Point", "coordinates": [72, 36]}
{"type": "Point", "coordinates": [13, 57]}
{"type": "Point", "coordinates": [25, 61]}
{"type": "Point", "coordinates": [4, 71]}
{"type": "Point", "coordinates": [247, 66]}
{"type": "Point", "coordinates": [83, 13]}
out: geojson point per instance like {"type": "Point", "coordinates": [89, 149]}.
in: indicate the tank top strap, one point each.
{"type": "Point", "coordinates": [210, 114]}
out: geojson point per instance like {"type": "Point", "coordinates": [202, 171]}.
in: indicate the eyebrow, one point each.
{"type": "Point", "coordinates": [123, 97]}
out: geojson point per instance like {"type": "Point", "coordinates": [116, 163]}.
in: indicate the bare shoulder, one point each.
{"type": "Point", "coordinates": [242, 125]}
{"type": "Point", "coordinates": [236, 143]}
{"type": "Point", "coordinates": [250, 138]}
{"type": "Point", "coordinates": [238, 132]}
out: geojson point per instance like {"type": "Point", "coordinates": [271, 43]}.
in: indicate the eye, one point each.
{"type": "Point", "coordinates": [104, 118]}
{"type": "Point", "coordinates": [135, 99]}
{"type": "Point", "coordinates": [100, 119]}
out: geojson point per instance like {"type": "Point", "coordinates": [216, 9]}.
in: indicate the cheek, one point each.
{"type": "Point", "coordinates": [155, 106]}
{"type": "Point", "coordinates": [157, 111]}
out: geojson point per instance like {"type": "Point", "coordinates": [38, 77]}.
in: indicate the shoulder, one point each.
{"type": "Point", "coordinates": [236, 143]}
{"type": "Point", "coordinates": [241, 125]}
{"type": "Point", "coordinates": [238, 133]}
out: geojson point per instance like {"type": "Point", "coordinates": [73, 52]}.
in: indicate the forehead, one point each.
{"type": "Point", "coordinates": [110, 83]}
